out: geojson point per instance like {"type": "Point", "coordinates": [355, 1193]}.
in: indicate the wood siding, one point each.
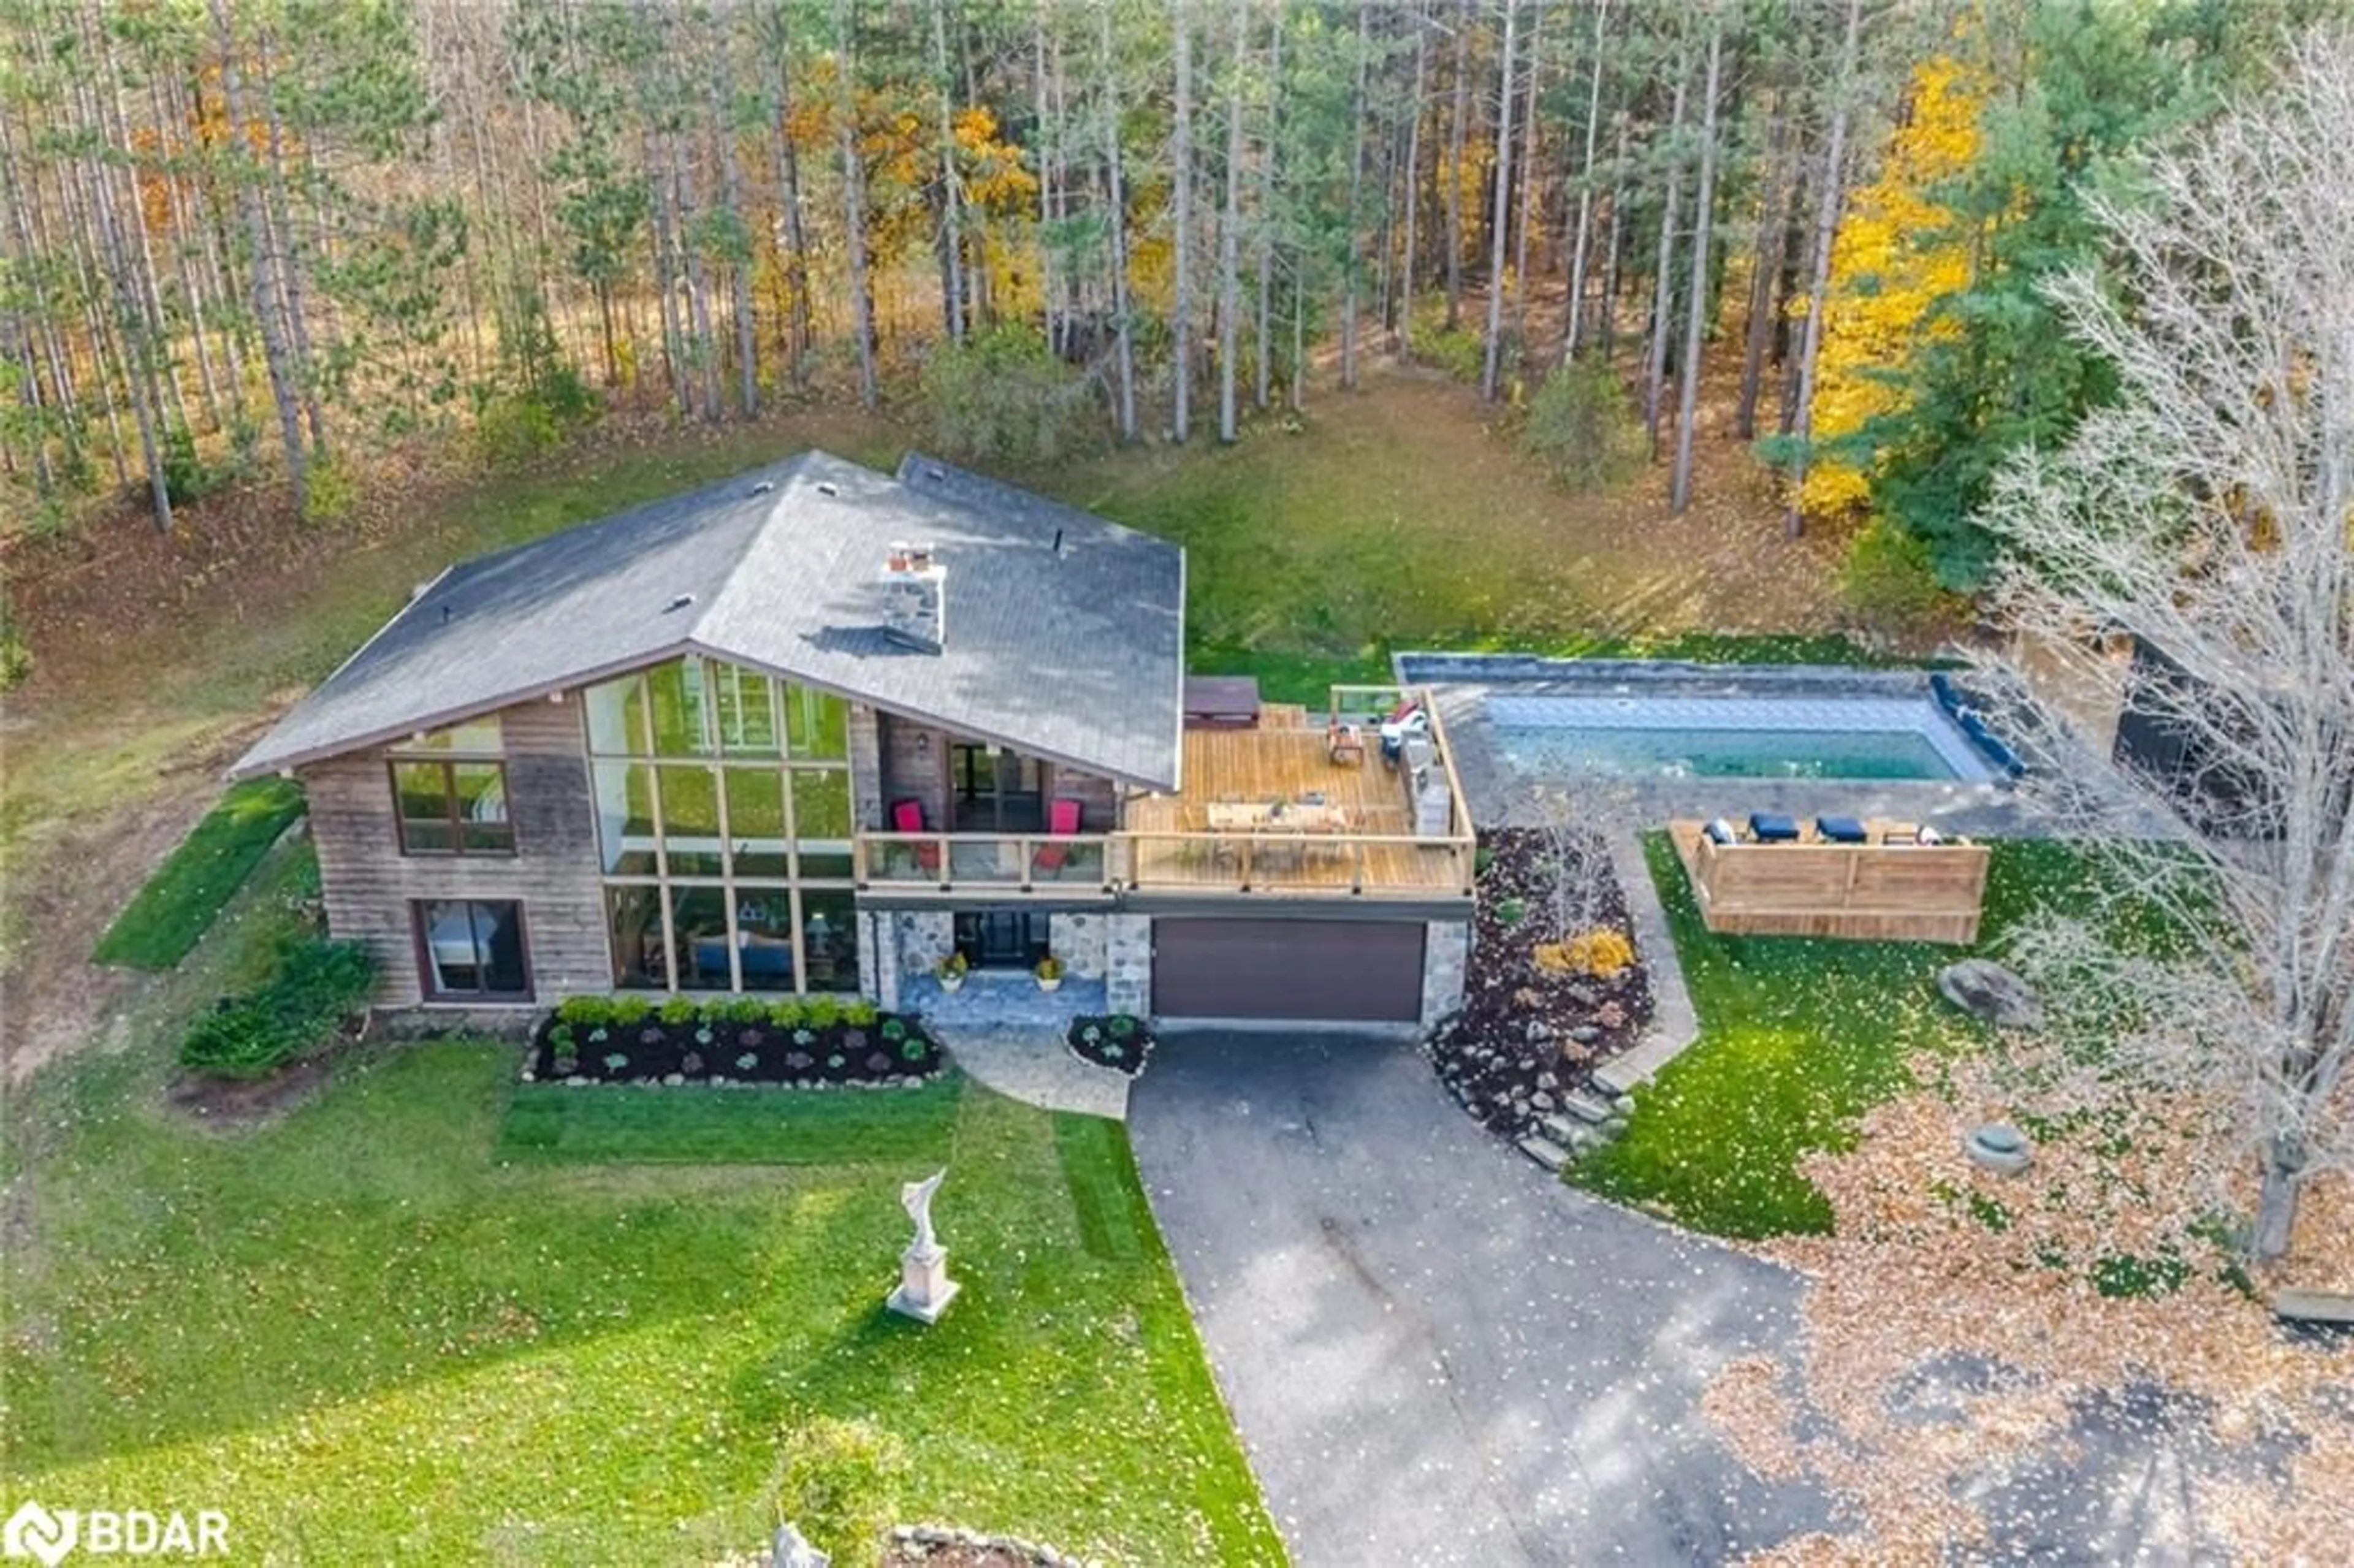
{"type": "Point", "coordinates": [915, 761]}
{"type": "Point", "coordinates": [368, 884]}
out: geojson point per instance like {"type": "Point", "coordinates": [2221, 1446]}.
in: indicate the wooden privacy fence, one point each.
{"type": "Point", "coordinates": [1866, 892]}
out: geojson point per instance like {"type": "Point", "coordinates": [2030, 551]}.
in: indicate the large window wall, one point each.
{"type": "Point", "coordinates": [724, 814]}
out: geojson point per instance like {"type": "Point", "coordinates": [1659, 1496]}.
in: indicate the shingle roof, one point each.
{"type": "Point", "coordinates": [1074, 654]}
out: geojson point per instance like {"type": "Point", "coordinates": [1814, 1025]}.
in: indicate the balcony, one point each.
{"type": "Point", "coordinates": [1277, 810]}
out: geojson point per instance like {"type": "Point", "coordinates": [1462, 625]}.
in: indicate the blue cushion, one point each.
{"type": "Point", "coordinates": [2002, 757]}
{"type": "Point", "coordinates": [1841, 829]}
{"type": "Point", "coordinates": [1721, 831]}
{"type": "Point", "coordinates": [1941, 686]}
{"type": "Point", "coordinates": [1772, 827]}
{"type": "Point", "coordinates": [1975, 727]}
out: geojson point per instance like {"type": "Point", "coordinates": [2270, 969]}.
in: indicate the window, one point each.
{"type": "Point", "coordinates": [452, 808]}
{"type": "Point", "coordinates": [480, 736]}
{"type": "Point", "coordinates": [469, 950]}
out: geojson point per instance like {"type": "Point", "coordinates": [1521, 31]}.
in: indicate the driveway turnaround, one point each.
{"type": "Point", "coordinates": [1435, 1352]}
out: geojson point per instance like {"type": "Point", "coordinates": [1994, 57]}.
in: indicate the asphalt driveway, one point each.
{"type": "Point", "coordinates": [1435, 1352]}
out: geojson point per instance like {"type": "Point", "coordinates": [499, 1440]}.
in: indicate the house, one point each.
{"type": "Point", "coordinates": [814, 727]}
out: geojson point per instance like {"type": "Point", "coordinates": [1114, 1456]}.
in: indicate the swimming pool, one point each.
{"type": "Point", "coordinates": [1885, 738]}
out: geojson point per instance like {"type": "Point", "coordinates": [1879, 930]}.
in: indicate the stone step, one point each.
{"type": "Point", "coordinates": [1544, 1151]}
{"type": "Point", "coordinates": [1586, 1107]}
{"type": "Point", "coordinates": [2308, 1306]}
{"type": "Point", "coordinates": [1562, 1130]}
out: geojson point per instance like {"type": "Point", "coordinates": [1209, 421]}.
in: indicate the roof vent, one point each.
{"type": "Point", "coordinates": [934, 470]}
{"type": "Point", "coordinates": [764, 486]}
{"type": "Point", "coordinates": [1058, 541]}
{"type": "Point", "coordinates": [915, 598]}
{"type": "Point", "coordinates": [678, 601]}
{"type": "Point", "coordinates": [827, 487]}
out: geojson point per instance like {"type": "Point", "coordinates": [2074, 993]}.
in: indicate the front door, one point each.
{"type": "Point", "coordinates": [997, 791]}
{"type": "Point", "coordinates": [1001, 940]}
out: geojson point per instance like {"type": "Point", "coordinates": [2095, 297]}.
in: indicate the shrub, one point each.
{"type": "Point", "coordinates": [1002, 395]}
{"type": "Point", "coordinates": [744, 1010]}
{"type": "Point", "coordinates": [562, 1041]}
{"type": "Point", "coordinates": [585, 1012]}
{"type": "Point", "coordinates": [1601, 953]}
{"type": "Point", "coordinates": [839, 1482]}
{"type": "Point", "coordinates": [680, 1011]}
{"type": "Point", "coordinates": [313, 987]}
{"type": "Point", "coordinates": [1121, 1025]}
{"type": "Point", "coordinates": [860, 1011]}
{"type": "Point", "coordinates": [893, 1030]}
{"type": "Point", "coordinates": [1890, 574]}
{"type": "Point", "coordinates": [785, 1015]}
{"type": "Point", "coordinates": [821, 1011]}
{"type": "Point", "coordinates": [512, 428]}
{"type": "Point", "coordinates": [1581, 426]}
{"type": "Point", "coordinates": [329, 491]}
{"type": "Point", "coordinates": [630, 1010]}
{"type": "Point", "coordinates": [1511, 912]}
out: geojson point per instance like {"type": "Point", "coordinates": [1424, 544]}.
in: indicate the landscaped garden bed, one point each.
{"type": "Point", "coordinates": [806, 1042]}
{"type": "Point", "coordinates": [1554, 987]}
{"type": "Point", "coordinates": [1120, 1040]}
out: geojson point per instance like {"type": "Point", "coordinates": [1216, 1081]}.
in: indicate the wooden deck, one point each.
{"type": "Point", "coordinates": [1867, 892]}
{"type": "Point", "coordinates": [1171, 845]}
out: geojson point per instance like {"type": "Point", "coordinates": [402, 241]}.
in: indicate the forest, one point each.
{"type": "Point", "coordinates": [276, 242]}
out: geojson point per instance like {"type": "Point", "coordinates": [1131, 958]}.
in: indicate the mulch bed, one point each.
{"type": "Point", "coordinates": [888, 1049]}
{"type": "Point", "coordinates": [1119, 1041]}
{"type": "Point", "coordinates": [1526, 1037]}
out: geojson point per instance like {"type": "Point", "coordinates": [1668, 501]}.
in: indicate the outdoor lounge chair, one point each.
{"type": "Point", "coordinates": [1773, 828]}
{"type": "Point", "coordinates": [908, 817]}
{"type": "Point", "coordinates": [1062, 822]}
{"type": "Point", "coordinates": [1840, 830]}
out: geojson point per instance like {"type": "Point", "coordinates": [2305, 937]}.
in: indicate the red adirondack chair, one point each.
{"type": "Point", "coordinates": [1062, 822]}
{"type": "Point", "coordinates": [908, 817]}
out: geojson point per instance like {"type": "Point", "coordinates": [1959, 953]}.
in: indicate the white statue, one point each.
{"type": "Point", "coordinates": [924, 1288]}
{"type": "Point", "coordinates": [915, 1197]}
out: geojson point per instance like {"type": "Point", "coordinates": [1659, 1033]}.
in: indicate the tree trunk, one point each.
{"type": "Point", "coordinates": [1181, 322]}
{"type": "Point", "coordinates": [2276, 1199]}
{"type": "Point", "coordinates": [1491, 366]}
{"type": "Point", "coordinates": [1123, 342]}
{"type": "Point", "coordinates": [294, 266]}
{"type": "Point", "coordinates": [1230, 236]}
{"type": "Point", "coordinates": [1696, 309]}
{"type": "Point", "coordinates": [1574, 315]}
{"type": "Point", "coordinates": [1046, 213]}
{"type": "Point", "coordinates": [853, 201]}
{"type": "Point", "coordinates": [130, 305]}
{"type": "Point", "coordinates": [1402, 334]}
{"type": "Point", "coordinates": [800, 336]}
{"type": "Point", "coordinates": [261, 273]}
{"type": "Point", "coordinates": [675, 368]}
{"type": "Point", "coordinates": [951, 186]}
{"type": "Point", "coordinates": [1607, 306]}
{"type": "Point", "coordinates": [1526, 218]}
{"type": "Point", "coordinates": [1827, 210]}
{"type": "Point", "coordinates": [1352, 254]}
{"type": "Point", "coordinates": [731, 174]}
{"type": "Point", "coordinates": [1458, 132]}
{"type": "Point", "coordinates": [1263, 366]}
{"type": "Point", "coordinates": [1764, 267]}
{"type": "Point", "coordinates": [1663, 276]}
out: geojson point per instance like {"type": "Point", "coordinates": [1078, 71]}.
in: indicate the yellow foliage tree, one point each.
{"type": "Point", "coordinates": [1896, 256]}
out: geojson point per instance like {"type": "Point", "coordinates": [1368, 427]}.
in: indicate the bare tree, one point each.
{"type": "Point", "coordinates": [1491, 364]}
{"type": "Point", "coordinates": [1573, 313]}
{"type": "Point", "coordinates": [1663, 275]}
{"type": "Point", "coordinates": [1124, 342]}
{"type": "Point", "coordinates": [1181, 315]}
{"type": "Point", "coordinates": [1353, 255]}
{"type": "Point", "coordinates": [1696, 302]}
{"type": "Point", "coordinates": [1402, 330]}
{"type": "Point", "coordinates": [1459, 127]}
{"type": "Point", "coordinates": [853, 201]}
{"type": "Point", "coordinates": [1230, 232]}
{"type": "Point", "coordinates": [1831, 183]}
{"type": "Point", "coordinates": [2210, 512]}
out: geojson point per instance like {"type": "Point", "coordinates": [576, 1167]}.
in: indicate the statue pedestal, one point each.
{"type": "Point", "coordinates": [924, 1288]}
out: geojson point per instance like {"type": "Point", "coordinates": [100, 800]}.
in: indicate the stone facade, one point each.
{"type": "Point", "coordinates": [1079, 941]}
{"type": "Point", "coordinates": [1127, 963]}
{"type": "Point", "coordinates": [878, 961]}
{"type": "Point", "coordinates": [1445, 952]}
{"type": "Point", "coordinates": [926, 937]}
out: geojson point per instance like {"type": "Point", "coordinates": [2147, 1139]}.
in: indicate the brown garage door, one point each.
{"type": "Point", "coordinates": [1347, 969]}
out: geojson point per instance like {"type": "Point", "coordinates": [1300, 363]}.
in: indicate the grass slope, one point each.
{"type": "Point", "coordinates": [1799, 1038]}
{"type": "Point", "coordinates": [179, 903]}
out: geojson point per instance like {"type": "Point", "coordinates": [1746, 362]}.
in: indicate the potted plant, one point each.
{"type": "Point", "coordinates": [949, 972]}
{"type": "Point", "coordinates": [1050, 973]}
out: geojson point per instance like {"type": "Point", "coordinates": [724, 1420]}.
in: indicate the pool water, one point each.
{"type": "Point", "coordinates": [1724, 753]}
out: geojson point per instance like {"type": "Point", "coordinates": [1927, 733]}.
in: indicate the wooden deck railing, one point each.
{"type": "Point", "coordinates": [1066, 863]}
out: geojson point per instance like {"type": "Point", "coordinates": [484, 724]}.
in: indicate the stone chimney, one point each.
{"type": "Point", "coordinates": [915, 597]}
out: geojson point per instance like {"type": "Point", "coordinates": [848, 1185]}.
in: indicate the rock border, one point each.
{"type": "Point", "coordinates": [928, 1536]}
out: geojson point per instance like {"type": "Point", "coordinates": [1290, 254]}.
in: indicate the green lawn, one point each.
{"type": "Point", "coordinates": [179, 903]}
{"type": "Point", "coordinates": [551, 1125]}
{"type": "Point", "coordinates": [433, 1315]}
{"type": "Point", "coordinates": [1799, 1038]}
